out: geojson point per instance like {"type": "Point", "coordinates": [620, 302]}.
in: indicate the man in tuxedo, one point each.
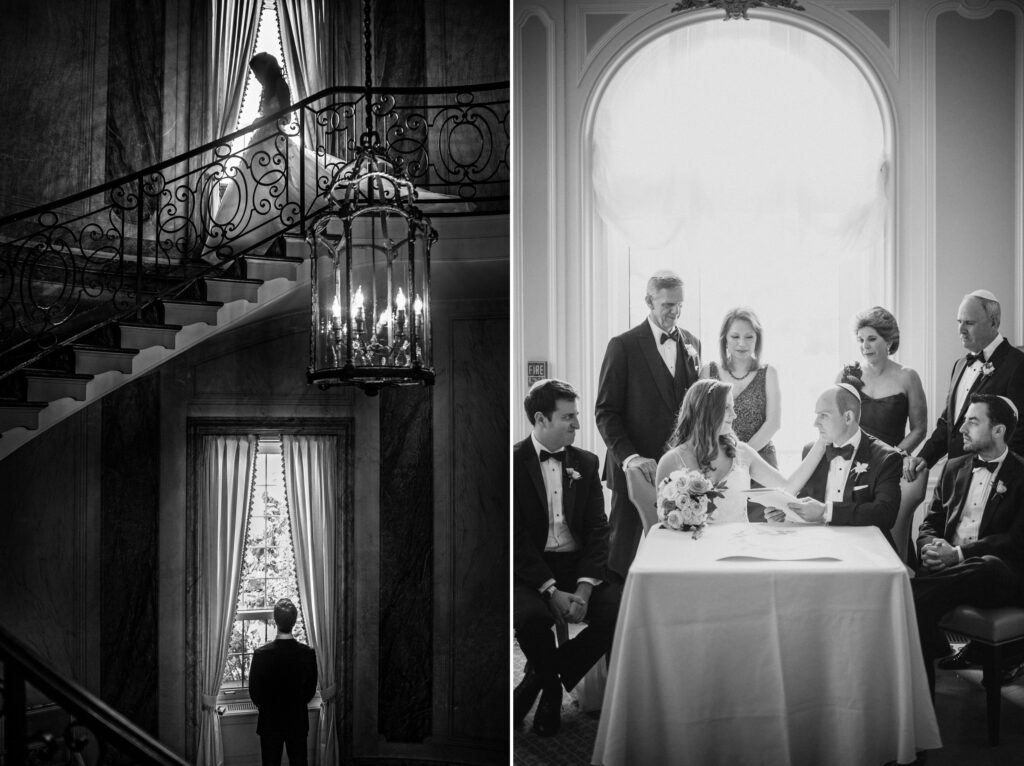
{"type": "Point", "coordinates": [282, 681]}
{"type": "Point", "coordinates": [971, 542]}
{"type": "Point", "coordinates": [992, 366]}
{"type": "Point", "coordinates": [644, 376]}
{"type": "Point", "coordinates": [857, 482]}
{"type": "Point", "coordinates": [560, 552]}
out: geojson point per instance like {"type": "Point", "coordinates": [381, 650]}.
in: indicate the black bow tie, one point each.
{"type": "Point", "coordinates": [559, 456]}
{"type": "Point", "coordinates": [674, 335]}
{"type": "Point", "coordinates": [991, 465]}
{"type": "Point", "coordinates": [831, 452]}
{"type": "Point", "coordinates": [972, 358]}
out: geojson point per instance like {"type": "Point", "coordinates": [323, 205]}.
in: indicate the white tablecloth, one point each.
{"type": "Point", "coordinates": [752, 660]}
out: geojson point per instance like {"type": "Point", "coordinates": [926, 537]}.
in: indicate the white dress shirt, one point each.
{"type": "Point", "coordinates": [971, 373]}
{"type": "Point", "coordinates": [982, 481]}
{"type": "Point", "coordinates": [560, 536]}
{"type": "Point", "coordinates": [838, 475]}
{"type": "Point", "coordinates": [668, 349]}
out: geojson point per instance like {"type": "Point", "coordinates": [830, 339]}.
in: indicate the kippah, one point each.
{"type": "Point", "coordinates": [984, 294]}
{"type": "Point", "coordinates": [1013, 406]}
{"type": "Point", "coordinates": [851, 389]}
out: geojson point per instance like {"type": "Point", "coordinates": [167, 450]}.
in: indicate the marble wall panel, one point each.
{"type": "Point", "coordinates": [479, 520]}
{"type": "Point", "coordinates": [406, 565]}
{"type": "Point", "coordinates": [53, 81]}
{"type": "Point", "coordinates": [129, 554]}
{"type": "Point", "coordinates": [44, 526]}
{"type": "Point", "coordinates": [134, 86]}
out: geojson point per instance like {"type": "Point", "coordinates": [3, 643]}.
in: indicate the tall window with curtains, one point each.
{"type": "Point", "coordinates": [763, 183]}
{"type": "Point", "coordinates": [268, 567]}
{"type": "Point", "coordinates": [268, 40]}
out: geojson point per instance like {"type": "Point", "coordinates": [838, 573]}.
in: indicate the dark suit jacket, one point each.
{"type": "Point", "coordinates": [282, 681]}
{"type": "Point", "coordinates": [1001, 532]}
{"type": "Point", "coordinates": [1007, 379]}
{"type": "Point", "coordinates": [637, 397]}
{"type": "Point", "coordinates": [870, 497]}
{"type": "Point", "coordinates": [582, 504]}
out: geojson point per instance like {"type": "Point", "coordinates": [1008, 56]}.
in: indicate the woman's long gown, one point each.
{"type": "Point", "coordinates": [732, 506]}
{"type": "Point", "coordinates": [751, 411]}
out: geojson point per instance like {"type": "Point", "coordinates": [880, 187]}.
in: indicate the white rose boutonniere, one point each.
{"type": "Point", "coordinates": [1000, 489]}
{"type": "Point", "coordinates": [987, 369]}
{"type": "Point", "coordinates": [694, 356]}
{"type": "Point", "coordinates": [572, 473]}
{"type": "Point", "coordinates": [859, 468]}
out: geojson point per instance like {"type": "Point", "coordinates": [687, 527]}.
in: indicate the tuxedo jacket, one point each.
{"type": "Point", "coordinates": [582, 505]}
{"type": "Point", "coordinates": [1001, 532]}
{"type": "Point", "coordinates": [1006, 379]}
{"type": "Point", "coordinates": [282, 681]}
{"type": "Point", "coordinates": [871, 496]}
{"type": "Point", "coordinates": [638, 398]}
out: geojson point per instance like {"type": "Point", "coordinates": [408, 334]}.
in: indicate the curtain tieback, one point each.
{"type": "Point", "coordinates": [210, 702]}
{"type": "Point", "coordinates": [328, 694]}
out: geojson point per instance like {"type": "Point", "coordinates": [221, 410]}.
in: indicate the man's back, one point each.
{"type": "Point", "coordinates": [282, 681]}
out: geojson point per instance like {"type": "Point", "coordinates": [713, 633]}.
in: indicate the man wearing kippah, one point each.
{"type": "Point", "coordinates": [971, 542]}
{"type": "Point", "coordinates": [992, 366]}
{"type": "Point", "coordinates": [857, 482]}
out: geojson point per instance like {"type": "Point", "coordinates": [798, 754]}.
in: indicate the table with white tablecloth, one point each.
{"type": "Point", "coordinates": [766, 644]}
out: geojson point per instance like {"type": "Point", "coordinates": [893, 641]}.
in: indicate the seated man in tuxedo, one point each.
{"type": "Point", "coordinates": [857, 482]}
{"type": "Point", "coordinates": [282, 681]}
{"type": "Point", "coordinates": [971, 542]}
{"type": "Point", "coordinates": [560, 553]}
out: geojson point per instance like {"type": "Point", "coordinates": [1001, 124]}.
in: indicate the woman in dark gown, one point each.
{"type": "Point", "coordinates": [893, 405]}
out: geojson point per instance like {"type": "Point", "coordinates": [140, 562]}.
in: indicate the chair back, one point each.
{"type": "Point", "coordinates": [644, 496]}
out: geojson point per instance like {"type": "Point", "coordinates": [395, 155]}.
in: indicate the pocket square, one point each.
{"type": "Point", "coordinates": [859, 487]}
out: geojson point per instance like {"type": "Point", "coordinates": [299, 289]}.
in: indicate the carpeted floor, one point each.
{"type": "Point", "coordinates": [959, 706]}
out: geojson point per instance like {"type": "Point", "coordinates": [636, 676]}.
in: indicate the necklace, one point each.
{"type": "Point", "coordinates": [728, 369]}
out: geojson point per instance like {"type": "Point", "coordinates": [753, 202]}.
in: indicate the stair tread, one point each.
{"type": "Point", "coordinates": [23, 405]}
{"type": "Point", "coordinates": [107, 349]}
{"type": "Point", "coordinates": [275, 258]}
{"type": "Point", "coordinates": [39, 373]}
{"type": "Point", "coordinates": [234, 279]}
{"type": "Point", "coordinates": [153, 325]}
{"type": "Point", "coordinates": [190, 302]}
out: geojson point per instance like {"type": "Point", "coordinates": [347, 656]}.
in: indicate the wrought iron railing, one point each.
{"type": "Point", "coordinates": [72, 268]}
{"type": "Point", "coordinates": [94, 734]}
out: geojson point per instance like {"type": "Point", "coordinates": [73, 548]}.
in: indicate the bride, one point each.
{"type": "Point", "coordinates": [265, 185]}
{"type": "Point", "coordinates": [703, 440]}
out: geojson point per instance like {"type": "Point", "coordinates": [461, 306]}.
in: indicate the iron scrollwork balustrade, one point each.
{"type": "Point", "coordinates": [71, 269]}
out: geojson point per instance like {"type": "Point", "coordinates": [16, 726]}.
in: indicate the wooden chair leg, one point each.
{"type": "Point", "coordinates": [992, 681]}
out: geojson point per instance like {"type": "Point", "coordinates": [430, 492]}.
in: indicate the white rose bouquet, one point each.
{"type": "Point", "coordinates": [686, 501]}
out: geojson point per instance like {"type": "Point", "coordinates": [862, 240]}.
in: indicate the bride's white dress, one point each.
{"type": "Point", "coordinates": [732, 506]}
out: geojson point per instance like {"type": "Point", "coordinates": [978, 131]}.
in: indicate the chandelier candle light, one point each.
{"type": "Point", "coordinates": [370, 254]}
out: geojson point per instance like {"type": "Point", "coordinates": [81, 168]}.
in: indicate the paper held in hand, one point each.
{"type": "Point", "coordinates": [775, 498]}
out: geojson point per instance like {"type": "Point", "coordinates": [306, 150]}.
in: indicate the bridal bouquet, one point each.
{"type": "Point", "coordinates": [686, 501]}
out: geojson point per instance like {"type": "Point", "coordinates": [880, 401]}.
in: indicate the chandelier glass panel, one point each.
{"type": "Point", "coordinates": [371, 280]}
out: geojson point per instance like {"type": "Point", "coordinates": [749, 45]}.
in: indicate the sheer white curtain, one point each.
{"type": "Point", "coordinates": [751, 158]}
{"type": "Point", "coordinates": [304, 44]}
{"type": "Point", "coordinates": [226, 465]}
{"type": "Point", "coordinates": [310, 463]}
{"type": "Point", "coordinates": [233, 28]}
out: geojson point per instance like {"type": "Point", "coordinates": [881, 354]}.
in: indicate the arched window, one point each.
{"type": "Point", "coordinates": [752, 158]}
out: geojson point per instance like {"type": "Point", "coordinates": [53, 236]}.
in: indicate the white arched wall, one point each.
{"type": "Point", "coordinates": [913, 54]}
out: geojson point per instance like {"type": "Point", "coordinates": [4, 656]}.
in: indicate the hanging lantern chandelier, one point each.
{"type": "Point", "coordinates": [370, 271]}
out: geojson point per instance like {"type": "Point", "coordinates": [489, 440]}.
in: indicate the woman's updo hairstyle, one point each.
{"type": "Point", "coordinates": [881, 321]}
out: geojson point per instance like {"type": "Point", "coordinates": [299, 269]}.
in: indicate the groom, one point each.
{"type": "Point", "coordinates": [857, 482]}
{"type": "Point", "coordinates": [560, 552]}
{"type": "Point", "coordinates": [644, 376]}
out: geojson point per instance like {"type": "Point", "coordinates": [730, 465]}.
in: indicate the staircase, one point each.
{"type": "Point", "coordinates": [86, 371]}
{"type": "Point", "coordinates": [103, 286]}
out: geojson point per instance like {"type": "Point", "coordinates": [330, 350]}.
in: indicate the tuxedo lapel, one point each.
{"type": "Point", "coordinates": [863, 455]}
{"type": "Point", "coordinates": [961, 485]}
{"type": "Point", "coordinates": [568, 487]}
{"type": "Point", "coordinates": [1007, 477]}
{"type": "Point", "coordinates": [958, 373]}
{"type": "Point", "coordinates": [529, 456]}
{"type": "Point", "coordinates": [659, 372]}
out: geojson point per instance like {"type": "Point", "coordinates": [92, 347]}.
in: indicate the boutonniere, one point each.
{"type": "Point", "coordinates": [859, 468]}
{"type": "Point", "coordinates": [987, 369]}
{"type": "Point", "coordinates": [1000, 489]}
{"type": "Point", "coordinates": [694, 357]}
{"type": "Point", "coordinates": [572, 473]}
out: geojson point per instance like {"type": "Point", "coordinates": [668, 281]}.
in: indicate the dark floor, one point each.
{"type": "Point", "coordinates": [959, 706]}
